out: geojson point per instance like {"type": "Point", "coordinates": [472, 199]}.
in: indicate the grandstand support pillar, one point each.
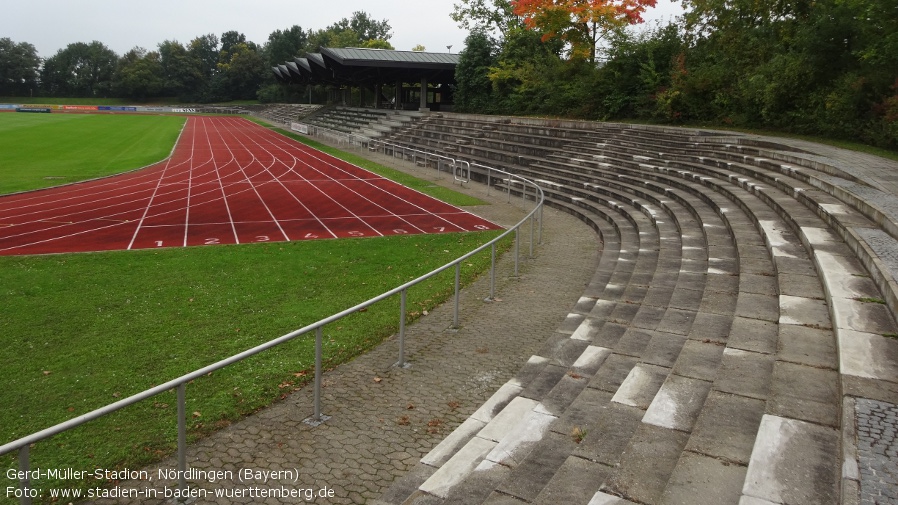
{"type": "Point", "coordinates": [361, 95]}
{"type": "Point", "coordinates": [398, 100]}
{"type": "Point", "coordinates": [378, 91]}
{"type": "Point", "coordinates": [423, 107]}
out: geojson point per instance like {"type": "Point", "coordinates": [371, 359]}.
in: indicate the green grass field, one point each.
{"type": "Point", "coordinates": [79, 331]}
{"type": "Point", "coordinates": [41, 150]}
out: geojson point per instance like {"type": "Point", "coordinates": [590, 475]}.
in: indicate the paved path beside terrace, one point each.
{"type": "Point", "coordinates": [385, 419]}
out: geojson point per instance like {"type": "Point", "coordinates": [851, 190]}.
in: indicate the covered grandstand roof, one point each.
{"type": "Point", "coordinates": [357, 66]}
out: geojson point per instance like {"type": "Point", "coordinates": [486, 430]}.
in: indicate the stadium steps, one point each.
{"type": "Point", "coordinates": [287, 113]}
{"type": "Point", "coordinates": [761, 330]}
{"type": "Point", "coordinates": [367, 122]}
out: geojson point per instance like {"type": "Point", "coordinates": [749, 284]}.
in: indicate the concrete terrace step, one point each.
{"type": "Point", "coordinates": [716, 354]}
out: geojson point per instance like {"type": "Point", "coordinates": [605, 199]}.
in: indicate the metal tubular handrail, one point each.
{"type": "Point", "coordinates": [22, 444]}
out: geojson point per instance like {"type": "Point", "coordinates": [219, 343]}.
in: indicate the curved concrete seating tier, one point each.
{"type": "Point", "coordinates": [287, 113]}
{"type": "Point", "coordinates": [368, 122]}
{"type": "Point", "coordinates": [742, 310]}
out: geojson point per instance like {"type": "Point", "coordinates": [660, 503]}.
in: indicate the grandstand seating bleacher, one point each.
{"type": "Point", "coordinates": [745, 298]}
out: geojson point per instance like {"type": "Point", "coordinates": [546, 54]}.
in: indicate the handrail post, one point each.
{"type": "Point", "coordinates": [541, 207]}
{"type": "Point", "coordinates": [489, 177]}
{"type": "Point", "coordinates": [532, 217]}
{"type": "Point", "coordinates": [457, 290]}
{"type": "Point", "coordinates": [402, 307]}
{"type": "Point", "coordinates": [492, 272]}
{"type": "Point", "coordinates": [517, 248]}
{"type": "Point", "coordinates": [318, 338]}
{"type": "Point", "coordinates": [24, 482]}
{"type": "Point", "coordinates": [182, 439]}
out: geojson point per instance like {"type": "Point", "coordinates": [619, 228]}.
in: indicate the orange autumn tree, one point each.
{"type": "Point", "coordinates": [580, 23]}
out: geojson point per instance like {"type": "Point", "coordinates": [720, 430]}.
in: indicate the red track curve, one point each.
{"type": "Point", "coordinates": [227, 181]}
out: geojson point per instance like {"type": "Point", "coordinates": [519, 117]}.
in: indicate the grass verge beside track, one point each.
{"type": "Point", "coordinates": [84, 330]}
{"type": "Point", "coordinates": [44, 150]}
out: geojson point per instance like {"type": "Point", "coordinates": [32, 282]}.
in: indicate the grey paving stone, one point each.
{"type": "Point", "coordinates": [641, 385]}
{"type": "Point", "coordinates": [602, 309]}
{"type": "Point", "coordinates": [686, 299]}
{"type": "Point", "coordinates": [609, 335]}
{"type": "Point", "coordinates": [805, 393]}
{"type": "Point", "coordinates": [563, 394]}
{"type": "Point", "coordinates": [754, 258]}
{"type": "Point", "coordinates": [677, 321]}
{"type": "Point", "coordinates": [863, 316]}
{"type": "Point", "coordinates": [722, 284]}
{"type": "Point", "coordinates": [634, 293]}
{"type": "Point", "coordinates": [609, 434]}
{"type": "Point", "coordinates": [623, 313]}
{"type": "Point", "coordinates": [694, 281]}
{"type": "Point", "coordinates": [807, 346]}
{"type": "Point", "coordinates": [529, 478]}
{"type": "Point", "coordinates": [758, 284]}
{"type": "Point", "coordinates": [479, 484]}
{"type": "Point", "coordinates": [678, 403]}
{"type": "Point", "coordinates": [794, 462]}
{"type": "Point", "coordinates": [613, 372]}
{"type": "Point", "coordinates": [756, 306]}
{"type": "Point", "coordinates": [576, 481]}
{"type": "Point", "coordinates": [648, 317]}
{"type": "Point", "coordinates": [588, 329]}
{"type": "Point", "coordinates": [652, 455]}
{"type": "Point", "coordinates": [711, 327]}
{"type": "Point", "coordinates": [754, 335]}
{"type": "Point", "coordinates": [719, 303]}
{"type": "Point", "coordinates": [583, 413]}
{"type": "Point", "coordinates": [745, 373]}
{"type": "Point", "coordinates": [497, 498]}
{"type": "Point", "coordinates": [877, 448]}
{"type": "Point", "coordinates": [634, 341]}
{"type": "Point", "coordinates": [798, 266]}
{"type": "Point", "coordinates": [807, 286]}
{"type": "Point", "coordinates": [590, 360]}
{"type": "Point", "coordinates": [563, 350]}
{"type": "Point", "coordinates": [726, 427]}
{"type": "Point", "coordinates": [659, 296]}
{"type": "Point", "coordinates": [804, 311]}
{"type": "Point", "coordinates": [663, 349]}
{"type": "Point", "coordinates": [699, 360]}
{"type": "Point", "coordinates": [700, 480]}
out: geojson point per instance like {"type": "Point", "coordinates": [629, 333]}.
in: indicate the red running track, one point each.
{"type": "Point", "coordinates": [228, 181]}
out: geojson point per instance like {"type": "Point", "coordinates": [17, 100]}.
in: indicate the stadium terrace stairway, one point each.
{"type": "Point", "coordinates": [733, 345]}
{"type": "Point", "coordinates": [287, 113]}
{"type": "Point", "coordinates": [370, 123]}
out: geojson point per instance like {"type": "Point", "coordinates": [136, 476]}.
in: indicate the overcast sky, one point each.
{"type": "Point", "coordinates": [123, 24]}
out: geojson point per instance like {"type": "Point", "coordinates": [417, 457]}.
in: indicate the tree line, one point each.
{"type": "Point", "coordinates": [207, 69]}
{"type": "Point", "coordinates": [820, 67]}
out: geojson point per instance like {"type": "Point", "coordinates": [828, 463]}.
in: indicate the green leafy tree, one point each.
{"type": "Point", "coordinates": [356, 31]}
{"type": "Point", "coordinates": [285, 45]}
{"type": "Point", "coordinates": [204, 49]}
{"type": "Point", "coordinates": [19, 67]}
{"type": "Point", "coordinates": [80, 69]}
{"type": "Point", "coordinates": [488, 16]}
{"type": "Point", "coordinates": [377, 44]}
{"type": "Point", "coordinates": [182, 72]}
{"type": "Point", "coordinates": [243, 72]}
{"type": "Point", "coordinates": [139, 75]}
{"type": "Point", "coordinates": [474, 91]}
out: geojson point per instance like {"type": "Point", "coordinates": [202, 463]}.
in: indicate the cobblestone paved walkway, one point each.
{"type": "Point", "coordinates": [383, 419]}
